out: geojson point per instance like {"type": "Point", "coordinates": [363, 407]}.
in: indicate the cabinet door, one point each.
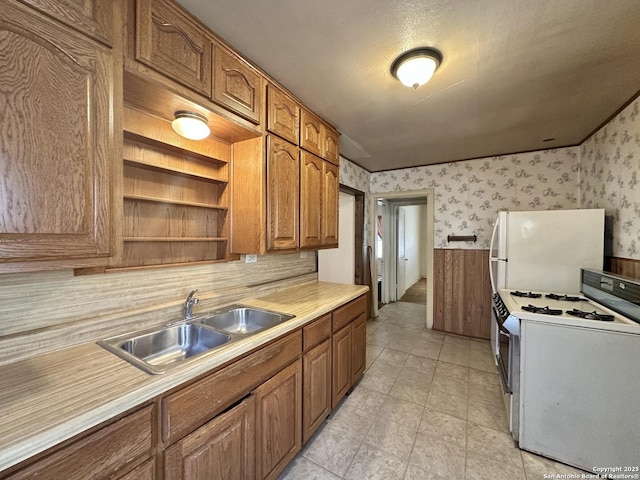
{"type": "Point", "coordinates": [171, 43]}
{"type": "Point", "coordinates": [316, 390]}
{"type": "Point", "coordinates": [330, 205]}
{"type": "Point", "coordinates": [283, 179]}
{"type": "Point", "coordinates": [237, 86]}
{"type": "Point", "coordinates": [358, 347]}
{"type": "Point", "coordinates": [92, 17]}
{"type": "Point", "coordinates": [341, 370]}
{"type": "Point", "coordinates": [223, 449]}
{"type": "Point", "coordinates": [283, 115]}
{"type": "Point", "coordinates": [310, 133]}
{"type": "Point", "coordinates": [56, 140]}
{"type": "Point", "coordinates": [331, 145]}
{"type": "Point", "coordinates": [278, 421]}
{"type": "Point", "coordinates": [311, 190]}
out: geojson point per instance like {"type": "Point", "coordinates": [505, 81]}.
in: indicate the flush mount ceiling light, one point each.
{"type": "Point", "coordinates": [416, 67]}
{"type": "Point", "coordinates": [190, 125]}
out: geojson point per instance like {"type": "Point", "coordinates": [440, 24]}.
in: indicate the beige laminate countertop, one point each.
{"type": "Point", "coordinates": [47, 399]}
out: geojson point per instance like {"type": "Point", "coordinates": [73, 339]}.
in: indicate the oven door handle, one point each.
{"type": "Point", "coordinates": [502, 328]}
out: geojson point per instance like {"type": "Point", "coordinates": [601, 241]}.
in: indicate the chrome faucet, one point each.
{"type": "Point", "coordinates": [191, 301]}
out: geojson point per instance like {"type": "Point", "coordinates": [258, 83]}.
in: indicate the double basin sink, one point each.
{"type": "Point", "coordinates": [158, 350]}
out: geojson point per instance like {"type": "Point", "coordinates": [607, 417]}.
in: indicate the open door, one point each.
{"type": "Point", "coordinates": [401, 265]}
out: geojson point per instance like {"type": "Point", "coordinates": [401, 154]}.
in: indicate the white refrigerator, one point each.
{"type": "Point", "coordinates": [544, 250]}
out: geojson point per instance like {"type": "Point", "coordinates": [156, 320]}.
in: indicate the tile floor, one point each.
{"type": "Point", "coordinates": [428, 407]}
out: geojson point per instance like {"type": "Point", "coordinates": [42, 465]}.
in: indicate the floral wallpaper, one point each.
{"type": "Point", "coordinates": [610, 167]}
{"type": "Point", "coordinates": [469, 194]}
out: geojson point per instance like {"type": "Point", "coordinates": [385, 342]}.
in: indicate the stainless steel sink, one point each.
{"type": "Point", "coordinates": [160, 350]}
{"type": "Point", "coordinates": [242, 320]}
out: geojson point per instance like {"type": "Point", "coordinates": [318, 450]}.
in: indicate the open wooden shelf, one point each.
{"type": "Point", "coordinates": [175, 239]}
{"type": "Point", "coordinates": [174, 170]}
{"type": "Point", "coordinates": [175, 196]}
{"type": "Point", "coordinates": [145, 198]}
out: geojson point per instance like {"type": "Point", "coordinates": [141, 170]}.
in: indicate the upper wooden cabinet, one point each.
{"type": "Point", "coordinates": [56, 142]}
{"type": "Point", "coordinates": [91, 17]}
{"type": "Point", "coordinates": [283, 115]}
{"type": "Point", "coordinates": [331, 145]}
{"type": "Point", "coordinates": [318, 137]}
{"type": "Point", "coordinates": [330, 205]}
{"type": "Point", "coordinates": [319, 190]}
{"type": "Point", "coordinates": [283, 175]}
{"type": "Point", "coordinates": [237, 86]}
{"type": "Point", "coordinates": [311, 132]}
{"type": "Point", "coordinates": [168, 41]}
{"type": "Point", "coordinates": [311, 193]}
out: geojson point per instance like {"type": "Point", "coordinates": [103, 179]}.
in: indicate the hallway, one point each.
{"type": "Point", "coordinates": [416, 293]}
{"type": "Point", "coordinates": [428, 407]}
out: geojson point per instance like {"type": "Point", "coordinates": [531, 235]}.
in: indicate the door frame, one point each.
{"type": "Point", "coordinates": [429, 194]}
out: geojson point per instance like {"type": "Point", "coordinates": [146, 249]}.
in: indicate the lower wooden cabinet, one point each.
{"type": "Point", "coordinates": [223, 449]}
{"type": "Point", "coordinates": [316, 388]}
{"type": "Point", "coordinates": [341, 376]}
{"type": "Point", "coordinates": [349, 343]}
{"type": "Point", "coordinates": [109, 452]}
{"type": "Point", "coordinates": [278, 421]}
{"type": "Point", "coordinates": [146, 471]}
{"type": "Point", "coordinates": [282, 391]}
{"type": "Point", "coordinates": [358, 347]}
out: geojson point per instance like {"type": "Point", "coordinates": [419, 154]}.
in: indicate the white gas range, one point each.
{"type": "Point", "coordinates": [565, 309]}
{"type": "Point", "coordinates": [572, 384]}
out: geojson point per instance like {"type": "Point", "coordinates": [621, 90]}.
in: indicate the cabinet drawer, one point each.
{"type": "Point", "coordinates": [100, 454]}
{"type": "Point", "coordinates": [187, 409]}
{"type": "Point", "coordinates": [345, 314]}
{"type": "Point", "coordinates": [146, 471]}
{"type": "Point", "coordinates": [316, 332]}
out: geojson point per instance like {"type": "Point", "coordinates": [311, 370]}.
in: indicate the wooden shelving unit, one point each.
{"type": "Point", "coordinates": [175, 195]}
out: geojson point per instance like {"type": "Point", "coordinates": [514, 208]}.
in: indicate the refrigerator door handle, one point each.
{"type": "Point", "coordinates": [491, 259]}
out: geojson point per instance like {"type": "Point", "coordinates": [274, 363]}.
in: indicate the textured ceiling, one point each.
{"type": "Point", "coordinates": [515, 72]}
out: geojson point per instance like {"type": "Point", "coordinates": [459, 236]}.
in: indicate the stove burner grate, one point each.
{"type": "Point", "coordinates": [544, 310]}
{"type": "Point", "coordinates": [565, 298]}
{"type": "Point", "coordinates": [591, 315]}
{"type": "Point", "coordinates": [526, 294]}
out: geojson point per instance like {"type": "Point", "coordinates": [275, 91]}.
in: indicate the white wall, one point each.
{"type": "Point", "coordinates": [338, 264]}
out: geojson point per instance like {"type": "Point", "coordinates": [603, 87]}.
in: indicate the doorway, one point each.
{"type": "Point", "coordinates": [403, 240]}
{"type": "Point", "coordinates": [350, 262]}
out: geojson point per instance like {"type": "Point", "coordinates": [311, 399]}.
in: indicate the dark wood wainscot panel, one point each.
{"type": "Point", "coordinates": [462, 292]}
{"type": "Point", "coordinates": [627, 267]}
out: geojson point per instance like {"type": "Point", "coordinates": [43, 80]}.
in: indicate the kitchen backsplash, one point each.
{"type": "Point", "coordinates": [610, 163]}
{"type": "Point", "coordinates": [45, 311]}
